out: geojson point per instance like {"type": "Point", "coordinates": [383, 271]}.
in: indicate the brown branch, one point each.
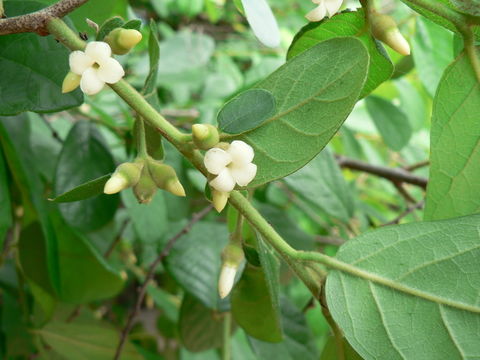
{"type": "Point", "coordinates": [392, 174]}
{"type": "Point", "coordinates": [151, 272]}
{"type": "Point", "coordinates": [37, 21]}
{"type": "Point", "coordinates": [409, 210]}
{"type": "Point", "coordinates": [417, 165]}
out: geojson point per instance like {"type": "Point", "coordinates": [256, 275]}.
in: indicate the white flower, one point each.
{"type": "Point", "coordinates": [96, 67]}
{"type": "Point", "coordinates": [232, 166]}
{"type": "Point", "coordinates": [324, 8]}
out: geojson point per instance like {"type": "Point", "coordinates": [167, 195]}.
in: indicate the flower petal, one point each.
{"type": "Point", "coordinates": [110, 71]}
{"type": "Point", "coordinates": [79, 62]}
{"type": "Point", "coordinates": [241, 152]}
{"type": "Point", "coordinates": [223, 182]}
{"type": "Point", "coordinates": [98, 50]}
{"type": "Point", "coordinates": [216, 160]}
{"type": "Point", "coordinates": [332, 6]}
{"type": "Point", "coordinates": [243, 174]}
{"type": "Point", "coordinates": [317, 14]}
{"type": "Point", "coordinates": [91, 83]}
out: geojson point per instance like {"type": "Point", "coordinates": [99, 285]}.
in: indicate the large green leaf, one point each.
{"type": "Point", "coordinates": [315, 91]}
{"type": "Point", "coordinates": [84, 157]}
{"type": "Point", "coordinates": [347, 24]}
{"type": "Point", "coordinates": [81, 340]}
{"type": "Point", "coordinates": [33, 68]}
{"type": "Point", "coordinates": [391, 122]}
{"type": "Point", "coordinates": [5, 205]}
{"type": "Point", "coordinates": [455, 149]}
{"type": "Point", "coordinates": [321, 183]}
{"type": "Point", "coordinates": [432, 52]}
{"type": "Point", "coordinates": [195, 261]}
{"type": "Point", "coordinates": [200, 328]}
{"type": "Point", "coordinates": [434, 263]}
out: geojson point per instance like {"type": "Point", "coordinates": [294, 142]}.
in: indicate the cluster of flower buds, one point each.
{"type": "Point", "coordinates": [231, 164]}
{"type": "Point", "coordinates": [232, 258]}
{"type": "Point", "coordinates": [93, 68]}
{"type": "Point", "coordinates": [145, 176]}
{"type": "Point", "coordinates": [385, 29]}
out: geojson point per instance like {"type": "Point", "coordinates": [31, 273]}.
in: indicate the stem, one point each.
{"type": "Point", "coordinates": [470, 50]}
{"type": "Point", "coordinates": [141, 138]}
{"type": "Point", "coordinates": [441, 10]}
{"type": "Point", "coordinates": [227, 347]}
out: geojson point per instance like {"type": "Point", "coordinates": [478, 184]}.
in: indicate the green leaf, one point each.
{"type": "Point", "coordinates": [455, 150]}
{"type": "Point", "coordinates": [435, 263]}
{"type": "Point", "coordinates": [391, 122]}
{"type": "Point", "coordinates": [6, 219]}
{"type": "Point", "coordinates": [149, 220]}
{"type": "Point", "coordinates": [470, 7]}
{"type": "Point", "coordinates": [321, 184]}
{"type": "Point", "coordinates": [347, 24]}
{"type": "Point", "coordinates": [33, 68]}
{"type": "Point", "coordinates": [17, 337]}
{"type": "Point", "coordinates": [432, 52]}
{"type": "Point", "coordinates": [312, 103]}
{"type": "Point", "coordinates": [200, 328]}
{"type": "Point", "coordinates": [330, 350]}
{"type": "Point", "coordinates": [194, 261]}
{"type": "Point", "coordinates": [246, 111]}
{"type": "Point", "coordinates": [262, 21]}
{"type": "Point", "coordinates": [414, 103]}
{"type": "Point", "coordinates": [108, 26]}
{"type": "Point", "coordinates": [85, 340]}
{"type": "Point", "coordinates": [86, 190]}
{"type": "Point", "coordinates": [298, 343]}
{"type": "Point", "coordinates": [85, 156]}
{"type": "Point", "coordinates": [164, 301]}
{"type": "Point", "coordinates": [135, 24]}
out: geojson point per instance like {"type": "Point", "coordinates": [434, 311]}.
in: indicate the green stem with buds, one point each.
{"type": "Point", "coordinates": [140, 138]}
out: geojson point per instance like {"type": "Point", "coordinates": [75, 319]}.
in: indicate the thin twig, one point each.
{"type": "Point", "coordinates": [392, 174]}
{"type": "Point", "coordinates": [405, 194]}
{"type": "Point", "coordinates": [418, 165]}
{"type": "Point", "coordinates": [117, 239]}
{"type": "Point", "coordinates": [151, 272]}
{"type": "Point", "coordinates": [409, 210]}
{"type": "Point", "coordinates": [52, 130]}
{"type": "Point", "coordinates": [329, 240]}
{"type": "Point", "coordinates": [36, 21]}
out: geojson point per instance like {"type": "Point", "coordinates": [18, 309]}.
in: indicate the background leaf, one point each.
{"type": "Point", "coordinates": [390, 121]}
{"type": "Point", "coordinates": [312, 103]}
{"type": "Point", "coordinates": [455, 149]}
{"type": "Point", "coordinates": [84, 157]}
{"type": "Point", "coordinates": [33, 68]}
{"type": "Point", "coordinates": [87, 190]}
{"type": "Point", "coordinates": [5, 204]}
{"type": "Point", "coordinates": [246, 111]}
{"type": "Point", "coordinates": [346, 24]}
{"type": "Point", "coordinates": [435, 258]}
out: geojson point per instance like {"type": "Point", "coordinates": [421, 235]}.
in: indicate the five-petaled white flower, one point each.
{"type": "Point", "coordinates": [324, 8]}
{"type": "Point", "coordinates": [96, 67]}
{"type": "Point", "coordinates": [231, 166]}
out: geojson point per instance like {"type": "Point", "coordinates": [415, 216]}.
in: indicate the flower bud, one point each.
{"type": "Point", "coordinates": [205, 136]}
{"type": "Point", "coordinates": [123, 40]}
{"type": "Point", "coordinates": [232, 257]}
{"type": "Point", "coordinates": [219, 199]}
{"type": "Point", "coordinates": [71, 82]}
{"type": "Point", "coordinates": [385, 29]}
{"type": "Point", "coordinates": [165, 177]}
{"type": "Point", "coordinates": [125, 175]}
{"type": "Point", "coordinates": [146, 188]}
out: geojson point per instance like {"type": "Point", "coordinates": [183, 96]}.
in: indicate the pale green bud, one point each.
{"type": "Point", "coordinates": [205, 136]}
{"type": "Point", "coordinates": [219, 199]}
{"type": "Point", "coordinates": [125, 175]}
{"type": "Point", "coordinates": [165, 177]}
{"type": "Point", "coordinates": [385, 29]}
{"type": "Point", "coordinates": [232, 257]}
{"type": "Point", "coordinates": [71, 82]}
{"type": "Point", "coordinates": [146, 188]}
{"type": "Point", "coordinates": [123, 40]}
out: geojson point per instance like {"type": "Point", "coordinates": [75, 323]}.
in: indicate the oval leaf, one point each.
{"type": "Point", "coordinates": [347, 24]}
{"type": "Point", "coordinates": [455, 149]}
{"type": "Point", "coordinates": [315, 91]}
{"type": "Point", "coordinates": [246, 111]}
{"type": "Point", "coordinates": [84, 156]}
{"type": "Point", "coordinates": [108, 26]}
{"type": "Point", "coordinates": [439, 261]}
{"type": "Point", "coordinates": [263, 23]}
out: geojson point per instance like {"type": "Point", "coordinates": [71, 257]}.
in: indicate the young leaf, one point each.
{"type": "Point", "coordinates": [434, 312]}
{"type": "Point", "coordinates": [347, 24]}
{"type": "Point", "coordinates": [33, 68]}
{"type": "Point", "coordinates": [194, 261]}
{"type": "Point", "coordinates": [390, 121]}
{"type": "Point", "coordinates": [455, 150]}
{"type": "Point", "coordinates": [471, 7]}
{"type": "Point", "coordinates": [108, 26]}
{"type": "Point", "coordinates": [246, 111]}
{"type": "Point", "coordinates": [84, 156]}
{"type": "Point", "coordinates": [263, 23]}
{"type": "Point", "coordinates": [85, 340]}
{"type": "Point", "coordinates": [133, 24]}
{"type": "Point", "coordinates": [321, 183]}
{"type": "Point", "coordinates": [314, 91]}
{"type": "Point", "coordinates": [81, 192]}
{"type": "Point", "coordinates": [200, 328]}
